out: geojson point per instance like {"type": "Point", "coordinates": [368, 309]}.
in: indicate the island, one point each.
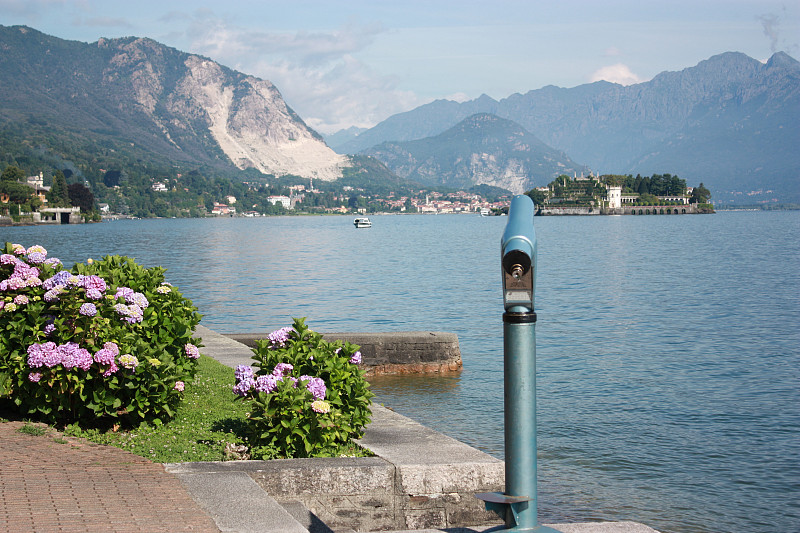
{"type": "Point", "coordinates": [614, 194]}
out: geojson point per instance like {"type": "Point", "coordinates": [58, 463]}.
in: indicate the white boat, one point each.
{"type": "Point", "coordinates": [362, 222]}
{"type": "Point", "coordinates": [485, 211]}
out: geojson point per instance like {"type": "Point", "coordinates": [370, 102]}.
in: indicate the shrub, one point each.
{"type": "Point", "coordinates": [107, 342]}
{"type": "Point", "coordinates": [308, 396]}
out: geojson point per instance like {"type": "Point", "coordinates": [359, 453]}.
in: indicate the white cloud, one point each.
{"type": "Point", "coordinates": [618, 73]}
{"type": "Point", "coordinates": [317, 73]}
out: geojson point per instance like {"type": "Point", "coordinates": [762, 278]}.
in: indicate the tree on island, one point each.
{"type": "Point", "coordinates": [538, 197]}
{"type": "Point", "coordinates": [700, 195]}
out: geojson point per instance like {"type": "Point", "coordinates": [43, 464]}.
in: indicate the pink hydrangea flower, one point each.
{"type": "Point", "coordinates": [112, 369]}
{"type": "Point", "coordinates": [192, 351]}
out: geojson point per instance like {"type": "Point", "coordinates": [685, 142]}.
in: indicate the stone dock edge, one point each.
{"type": "Point", "coordinates": [419, 480]}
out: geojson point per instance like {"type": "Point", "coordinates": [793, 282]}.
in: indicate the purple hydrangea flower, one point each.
{"type": "Point", "coordinates": [53, 261]}
{"type": "Point", "coordinates": [107, 354]}
{"type": "Point", "coordinates": [282, 369]}
{"type": "Point", "coordinates": [266, 383]}
{"type": "Point", "coordinates": [94, 294]}
{"type": "Point", "coordinates": [123, 292]}
{"type": "Point", "coordinates": [18, 249]}
{"type": "Point", "coordinates": [7, 259]}
{"type": "Point", "coordinates": [49, 329]}
{"type": "Point", "coordinates": [356, 358]}
{"type": "Point", "coordinates": [134, 314]}
{"type": "Point", "coordinates": [243, 372]}
{"type": "Point", "coordinates": [279, 337]}
{"type": "Point", "coordinates": [24, 270]}
{"type": "Point", "coordinates": [21, 299]}
{"type": "Point", "coordinates": [94, 282]}
{"type": "Point", "coordinates": [33, 281]}
{"type": "Point", "coordinates": [138, 299]}
{"type": "Point", "coordinates": [242, 387]}
{"type": "Point", "coordinates": [37, 258]}
{"type": "Point", "coordinates": [88, 309]}
{"type": "Point", "coordinates": [129, 313]}
{"type": "Point", "coordinates": [316, 386]}
{"type": "Point", "coordinates": [43, 354]}
{"type": "Point", "coordinates": [34, 377]}
{"type": "Point", "coordinates": [192, 351]}
{"type": "Point", "coordinates": [53, 294]}
{"type": "Point", "coordinates": [58, 280]}
{"type": "Point", "coordinates": [73, 356]}
{"type": "Point", "coordinates": [179, 386]}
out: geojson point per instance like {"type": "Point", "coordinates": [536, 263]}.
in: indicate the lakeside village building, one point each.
{"type": "Point", "coordinates": [44, 215]}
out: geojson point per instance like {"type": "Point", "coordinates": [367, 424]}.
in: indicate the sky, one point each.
{"type": "Point", "coordinates": [343, 63]}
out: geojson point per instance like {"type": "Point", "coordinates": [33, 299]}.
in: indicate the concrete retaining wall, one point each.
{"type": "Point", "coordinates": [687, 209]}
{"type": "Point", "coordinates": [393, 353]}
{"type": "Point", "coordinates": [419, 479]}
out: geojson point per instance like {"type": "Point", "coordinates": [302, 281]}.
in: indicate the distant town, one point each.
{"type": "Point", "coordinates": [29, 200]}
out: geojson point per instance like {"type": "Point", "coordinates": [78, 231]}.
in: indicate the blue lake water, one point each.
{"type": "Point", "coordinates": [668, 347]}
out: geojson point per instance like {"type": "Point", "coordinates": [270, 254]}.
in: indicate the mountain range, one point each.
{"type": "Point", "coordinates": [172, 105]}
{"type": "Point", "coordinates": [482, 149]}
{"type": "Point", "coordinates": [731, 122]}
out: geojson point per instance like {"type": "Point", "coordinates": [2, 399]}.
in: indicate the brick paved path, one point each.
{"type": "Point", "coordinates": [78, 486]}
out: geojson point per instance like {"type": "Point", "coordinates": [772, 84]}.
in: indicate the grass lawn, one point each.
{"type": "Point", "coordinates": [206, 422]}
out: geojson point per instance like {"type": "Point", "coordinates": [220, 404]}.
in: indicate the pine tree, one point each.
{"type": "Point", "coordinates": [59, 193]}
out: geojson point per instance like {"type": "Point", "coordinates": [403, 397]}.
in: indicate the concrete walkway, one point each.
{"type": "Point", "coordinates": [54, 483]}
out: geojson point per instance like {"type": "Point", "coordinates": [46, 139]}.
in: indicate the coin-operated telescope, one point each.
{"type": "Point", "coordinates": [518, 504]}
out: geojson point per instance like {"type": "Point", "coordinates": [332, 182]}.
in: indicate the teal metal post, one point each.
{"type": "Point", "coordinates": [518, 504]}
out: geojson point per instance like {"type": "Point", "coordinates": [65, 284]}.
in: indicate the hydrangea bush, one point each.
{"type": "Point", "coordinates": [107, 341]}
{"type": "Point", "coordinates": [308, 396]}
